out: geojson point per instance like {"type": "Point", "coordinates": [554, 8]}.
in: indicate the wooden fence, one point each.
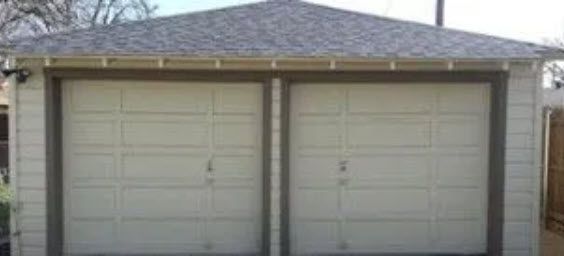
{"type": "Point", "coordinates": [554, 211]}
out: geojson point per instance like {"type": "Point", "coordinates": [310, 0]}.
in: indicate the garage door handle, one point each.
{"type": "Point", "coordinates": [343, 166]}
{"type": "Point", "coordinates": [210, 166]}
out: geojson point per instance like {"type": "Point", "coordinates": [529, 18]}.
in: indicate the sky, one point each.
{"type": "Point", "coordinates": [526, 20]}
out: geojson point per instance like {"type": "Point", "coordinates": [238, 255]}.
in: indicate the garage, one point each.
{"type": "Point", "coordinates": [275, 128]}
{"type": "Point", "coordinates": [389, 168]}
{"type": "Point", "coordinates": [161, 167]}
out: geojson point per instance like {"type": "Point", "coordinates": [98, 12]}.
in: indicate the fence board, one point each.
{"type": "Point", "coordinates": [555, 175]}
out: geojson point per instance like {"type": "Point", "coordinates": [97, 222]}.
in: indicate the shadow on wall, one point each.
{"type": "Point", "coordinates": [5, 196]}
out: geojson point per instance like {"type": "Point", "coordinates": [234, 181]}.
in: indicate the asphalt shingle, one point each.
{"type": "Point", "coordinates": [281, 29]}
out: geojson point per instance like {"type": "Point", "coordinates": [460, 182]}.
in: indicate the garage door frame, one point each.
{"type": "Point", "coordinates": [496, 167]}
{"type": "Point", "coordinates": [54, 141]}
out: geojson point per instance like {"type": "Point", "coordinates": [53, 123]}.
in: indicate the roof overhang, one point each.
{"type": "Point", "coordinates": [554, 54]}
{"type": "Point", "coordinates": [267, 63]}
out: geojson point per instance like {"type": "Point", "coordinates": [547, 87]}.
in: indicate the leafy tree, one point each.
{"type": "Point", "coordinates": [31, 17]}
{"type": "Point", "coordinates": [21, 18]}
{"type": "Point", "coordinates": [555, 70]}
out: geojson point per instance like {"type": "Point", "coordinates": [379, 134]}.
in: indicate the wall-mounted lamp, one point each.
{"type": "Point", "coordinates": [21, 74]}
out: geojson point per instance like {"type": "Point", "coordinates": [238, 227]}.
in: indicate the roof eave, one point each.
{"type": "Point", "coordinates": [269, 63]}
{"type": "Point", "coordinates": [546, 55]}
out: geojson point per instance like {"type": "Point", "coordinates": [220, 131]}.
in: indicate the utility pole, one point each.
{"type": "Point", "coordinates": [440, 15]}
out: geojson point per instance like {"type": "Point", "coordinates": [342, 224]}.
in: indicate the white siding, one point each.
{"type": "Point", "coordinates": [275, 169]}
{"type": "Point", "coordinates": [523, 159]}
{"type": "Point", "coordinates": [29, 184]}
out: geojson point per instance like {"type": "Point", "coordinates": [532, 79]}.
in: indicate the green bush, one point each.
{"type": "Point", "coordinates": [4, 208]}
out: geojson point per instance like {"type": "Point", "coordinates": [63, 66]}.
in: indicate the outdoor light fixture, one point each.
{"type": "Point", "coordinates": [558, 84]}
{"type": "Point", "coordinates": [21, 74]}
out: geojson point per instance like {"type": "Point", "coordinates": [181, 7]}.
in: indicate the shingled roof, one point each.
{"type": "Point", "coordinates": [280, 29]}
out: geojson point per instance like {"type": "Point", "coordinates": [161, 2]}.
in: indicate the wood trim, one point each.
{"type": "Point", "coordinates": [402, 254]}
{"type": "Point", "coordinates": [498, 81]}
{"type": "Point", "coordinates": [496, 185]}
{"type": "Point", "coordinates": [285, 103]}
{"type": "Point", "coordinates": [54, 142]}
{"type": "Point", "coordinates": [54, 77]}
{"type": "Point", "coordinates": [54, 163]}
{"type": "Point", "coordinates": [266, 165]}
{"type": "Point", "coordinates": [158, 75]}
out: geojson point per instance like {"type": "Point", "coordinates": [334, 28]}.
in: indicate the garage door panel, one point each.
{"type": "Point", "coordinates": [409, 236]}
{"type": "Point", "coordinates": [317, 99]}
{"type": "Point", "coordinates": [161, 231]}
{"type": "Point", "coordinates": [244, 118]}
{"type": "Point", "coordinates": [90, 166]}
{"type": "Point", "coordinates": [235, 168]}
{"type": "Point", "coordinates": [468, 132]}
{"type": "Point", "coordinates": [170, 134]}
{"type": "Point", "coordinates": [354, 152]}
{"type": "Point", "coordinates": [166, 100]}
{"type": "Point", "coordinates": [170, 98]}
{"type": "Point", "coordinates": [94, 98]}
{"type": "Point", "coordinates": [155, 248]}
{"type": "Point", "coordinates": [237, 99]}
{"type": "Point", "coordinates": [389, 132]}
{"type": "Point", "coordinates": [389, 99]}
{"type": "Point", "coordinates": [316, 152]}
{"type": "Point", "coordinates": [165, 166]}
{"type": "Point", "coordinates": [96, 232]}
{"type": "Point", "coordinates": [464, 98]}
{"type": "Point", "coordinates": [318, 134]}
{"type": "Point", "coordinates": [316, 170]}
{"type": "Point", "coordinates": [235, 202]}
{"type": "Point", "coordinates": [389, 170]}
{"type": "Point", "coordinates": [91, 117]}
{"type": "Point", "coordinates": [459, 170]}
{"type": "Point", "coordinates": [315, 236]}
{"type": "Point", "coordinates": [162, 202]}
{"type": "Point", "coordinates": [228, 238]}
{"type": "Point", "coordinates": [460, 203]}
{"type": "Point", "coordinates": [92, 133]}
{"type": "Point", "coordinates": [235, 134]}
{"type": "Point", "coordinates": [376, 203]}
{"type": "Point", "coordinates": [464, 236]}
{"type": "Point", "coordinates": [93, 202]}
{"type": "Point", "coordinates": [325, 201]}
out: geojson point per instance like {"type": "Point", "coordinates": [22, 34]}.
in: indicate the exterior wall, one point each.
{"type": "Point", "coordinates": [522, 185]}
{"type": "Point", "coordinates": [28, 166]}
{"type": "Point", "coordinates": [523, 165]}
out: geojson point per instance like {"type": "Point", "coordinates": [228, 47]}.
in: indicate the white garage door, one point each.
{"type": "Point", "coordinates": [389, 168]}
{"type": "Point", "coordinates": [161, 167]}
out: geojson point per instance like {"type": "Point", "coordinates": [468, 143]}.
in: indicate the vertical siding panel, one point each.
{"type": "Point", "coordinates": [28, 166]}
{"type": "Point", "coordinates": [535, 184]}
{"type": "Point", "coordinates": [522, 161]}
{"type": "Point", "coordinates": [13, 140]}
{"type": "Point", "coordinates": [275, 169]}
